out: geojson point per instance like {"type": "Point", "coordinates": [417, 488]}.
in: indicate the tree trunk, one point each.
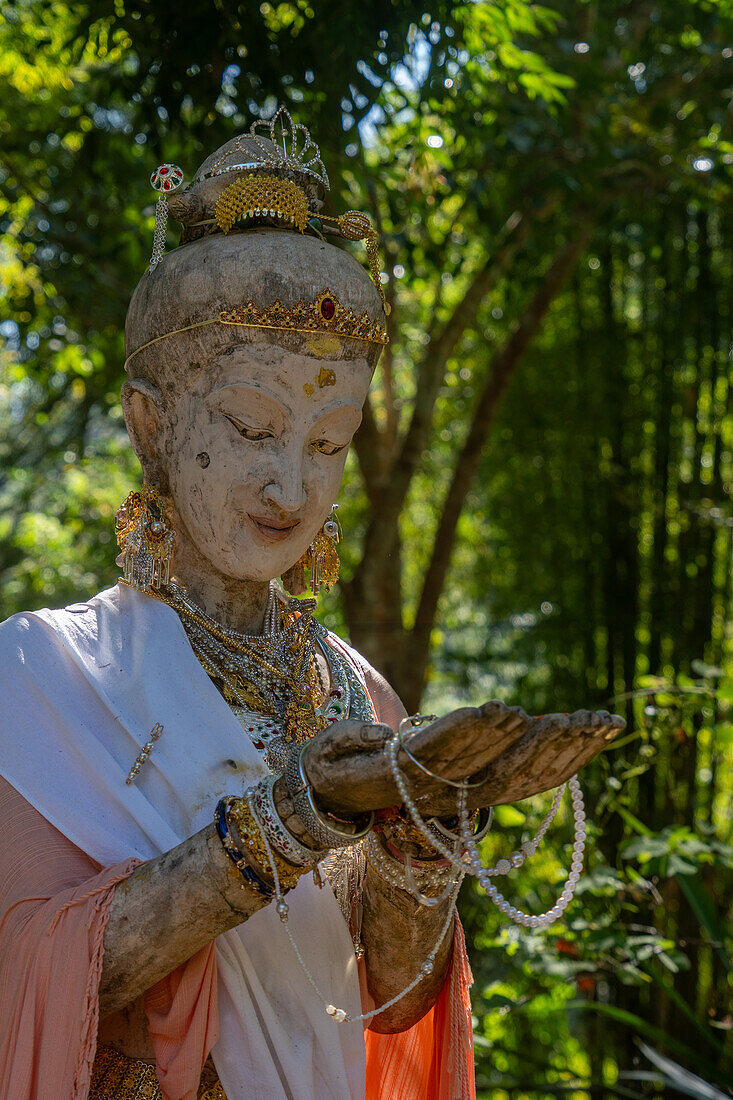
{"type": "Point", "coordinates": [373, 601]}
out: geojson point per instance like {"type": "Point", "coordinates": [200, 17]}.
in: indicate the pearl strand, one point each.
{"type": "Point", "coordinates": [410, 879]}
{"type": "Point", "coordinates": [484, 874]}
{"type": "Point", "coordinates": [528, 920]}
{"type": "Point", "coordinates": [340, 1015]}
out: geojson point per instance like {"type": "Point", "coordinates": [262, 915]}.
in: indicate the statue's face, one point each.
{"type": "Point", "coordinates": [260, 445]}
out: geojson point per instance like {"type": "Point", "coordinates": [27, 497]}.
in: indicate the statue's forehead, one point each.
{"type": "Point", "coordinates": [287, 372]}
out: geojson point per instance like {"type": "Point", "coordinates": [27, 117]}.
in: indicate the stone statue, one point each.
{"type": "Point", "coordinates": [251, 348]}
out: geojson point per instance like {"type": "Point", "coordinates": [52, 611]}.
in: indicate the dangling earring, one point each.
{"type": "Point", "coordinates": [324, 561]}
{"type": "Point", "coordinates": [166, 178]}
{"type": "Point", "coordinates": [320, 559]}
{"type": "Point", "coordinates": [145, 538]}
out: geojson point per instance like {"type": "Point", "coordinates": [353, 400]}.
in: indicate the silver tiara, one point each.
{"type": "Point", "coordinates": [283, 144]}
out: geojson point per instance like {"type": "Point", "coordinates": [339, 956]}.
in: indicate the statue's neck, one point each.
{"type": "Point", "coordinates": [236, 604]}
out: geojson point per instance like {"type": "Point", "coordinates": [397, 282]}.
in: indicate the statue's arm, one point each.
{"type": "Point", "coordinates": [166, 911]}
{"type": "Point", "coordinates": [174, 905]}
{"type": "Point", "coordinates": [398, 934]}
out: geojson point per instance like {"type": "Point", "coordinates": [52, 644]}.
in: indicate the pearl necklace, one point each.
{"type": "Point", "coordinates": [473, 865]}
{"type": "Point", "coordinates": [415, 880]}
{"type": "Point", "coordinates": [340, 1015]}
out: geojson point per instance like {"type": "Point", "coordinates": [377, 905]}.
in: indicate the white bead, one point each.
{"type": "Point", "coordinates": [503, 867]}
{"type": "Point", "coordinates": [529, 848]}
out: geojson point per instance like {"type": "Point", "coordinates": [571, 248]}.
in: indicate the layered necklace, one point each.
{"type": "Point", "coordinates": [272, 681]}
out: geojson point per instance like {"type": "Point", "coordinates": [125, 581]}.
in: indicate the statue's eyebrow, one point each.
{"type": "Point", "coordinates": [266, 394]}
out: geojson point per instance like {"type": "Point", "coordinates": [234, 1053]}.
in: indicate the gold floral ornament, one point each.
{"type": "Point", "coordinates": [251, 197]}
{"type": "Point", "coordinates": [145, 538]}
{"type": "Point", "coordinates": [300, 721]}
{"type": "Point", "coordinates": [356, 226]}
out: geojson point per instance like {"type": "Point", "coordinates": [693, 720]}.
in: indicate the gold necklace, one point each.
{"type": "Point", "coordinates": [289, 678]}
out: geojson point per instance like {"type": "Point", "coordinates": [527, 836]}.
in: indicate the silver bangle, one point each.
{"type": "Point", "coordinates": [301, 792]}
{"type": "Point", "coordinates": [278, 834]}
{"type": "Point", "coordinates": [487, 813]}
{"type": "Point", "coordinates": [416, 720]}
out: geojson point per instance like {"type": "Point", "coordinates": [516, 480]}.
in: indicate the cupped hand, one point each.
{"type": "Point", "coordinates": [514, 755]}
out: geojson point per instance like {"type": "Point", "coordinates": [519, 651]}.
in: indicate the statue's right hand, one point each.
{"type": "Point", "coordinates": [345, 764]}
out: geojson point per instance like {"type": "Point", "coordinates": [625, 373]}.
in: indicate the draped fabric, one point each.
{"type": "Point", "coordinates": [433, 1060]}
{"type": "Point", "coordinates": [81, 689]}
{"type": "Point", "coordinates": [50, 954]}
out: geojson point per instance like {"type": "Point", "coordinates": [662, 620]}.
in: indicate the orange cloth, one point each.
{"type": "Point", "coordinates": [183, 1023]}
{"type": "Point", "coordinates": [433, 1060]}
{"type": "Point", "coordinates": [54, 906]}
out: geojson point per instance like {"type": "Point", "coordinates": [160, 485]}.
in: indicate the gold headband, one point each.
{"type": "Point", "coordinates": [325, 314]}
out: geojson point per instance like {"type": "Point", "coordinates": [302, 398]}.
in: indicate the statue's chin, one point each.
{"type": "Point", "coordinates": [254, 568]}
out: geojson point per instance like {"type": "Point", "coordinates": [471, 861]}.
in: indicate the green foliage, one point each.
{"type": "Point", "coordinates": [591, 563]}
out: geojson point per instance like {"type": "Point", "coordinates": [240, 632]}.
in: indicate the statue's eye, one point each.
{"type": "Point", "coordinates": [325, 447]}
{"type": "Point", "coordinates": [254, 435]}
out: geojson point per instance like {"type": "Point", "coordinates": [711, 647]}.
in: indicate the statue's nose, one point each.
{"type": "Point", "coordinates": [286, 492]}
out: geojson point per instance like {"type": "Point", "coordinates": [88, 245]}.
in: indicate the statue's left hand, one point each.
{"type": "Point", "coordinates": [515, 754]}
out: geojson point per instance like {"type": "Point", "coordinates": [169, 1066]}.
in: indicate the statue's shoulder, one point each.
{"type": "Point", "coordinates": [385, 700]}
{"type": "Point", "coordinates": [34, 635]}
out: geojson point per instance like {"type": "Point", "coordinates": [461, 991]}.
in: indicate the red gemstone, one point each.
{"type": "Point", "coordinates": [336, 693]}
{"type": "Point", "coordinates": [328, 308]}
{"type": "Point", "coordinates": [164, 171]}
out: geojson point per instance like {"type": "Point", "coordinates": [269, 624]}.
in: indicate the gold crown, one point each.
{"type": "Point", "coordinates": [324, 314]}
{"type": "Point", "coordinates": [262, 197]}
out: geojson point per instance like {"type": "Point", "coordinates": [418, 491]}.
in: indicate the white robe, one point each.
{"type": "Point", "coordinates": [81, 689]}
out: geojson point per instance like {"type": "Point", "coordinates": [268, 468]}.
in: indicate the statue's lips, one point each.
{"type": "Point", "coordinates": [271, 529]}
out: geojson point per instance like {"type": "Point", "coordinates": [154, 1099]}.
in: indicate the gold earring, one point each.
{"type": "Point", "coordinates": [320, 559]}
{"type": "Point", "coordinates": [145, 537]}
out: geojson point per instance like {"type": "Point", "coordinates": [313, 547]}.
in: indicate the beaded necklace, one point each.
{"type": "Point", "coordinates": [272, 681]}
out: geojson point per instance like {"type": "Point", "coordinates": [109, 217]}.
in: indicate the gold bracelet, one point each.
{"type": "Point", "coordinates": [241, 816]}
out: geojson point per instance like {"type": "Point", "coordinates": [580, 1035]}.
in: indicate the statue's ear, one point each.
{"type": "Point", "coordinates": [142, 405]}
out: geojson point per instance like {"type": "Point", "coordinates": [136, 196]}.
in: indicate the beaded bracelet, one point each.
{"type": "Point", "coordinates": [230, 847]}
